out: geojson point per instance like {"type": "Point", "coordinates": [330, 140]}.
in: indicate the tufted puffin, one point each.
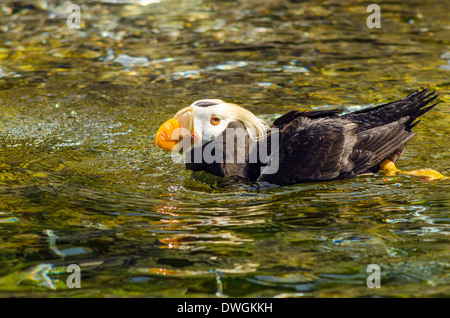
{"type": "Point", "coordinates": [227, 140]}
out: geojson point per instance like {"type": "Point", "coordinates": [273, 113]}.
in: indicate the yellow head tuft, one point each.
{"type": "Point", "coordinates": [256, 127]}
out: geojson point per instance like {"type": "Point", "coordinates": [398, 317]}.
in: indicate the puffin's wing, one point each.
{"type": "Point", "coordinates": [293, 114]}
{"type": "Point", "coordinates": [331, 148]}
{"type": "Point", "coordinates": [413, 106]}
{"type": "Point", "coordinates": [379, 143]}
{"type": "Point", "coordinates": [312, 149]}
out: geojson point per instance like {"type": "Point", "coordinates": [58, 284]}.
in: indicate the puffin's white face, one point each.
{"type": "Point", "coordinates": [204, 121]}
{"type": "Point", "coordinates": [209, 122]}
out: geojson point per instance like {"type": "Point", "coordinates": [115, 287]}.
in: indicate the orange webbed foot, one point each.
{"type": "Point", "coordinates": [427, 174]}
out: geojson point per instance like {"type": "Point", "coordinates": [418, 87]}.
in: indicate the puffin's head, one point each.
{"type": "Point", "coordinates": [204, 121]}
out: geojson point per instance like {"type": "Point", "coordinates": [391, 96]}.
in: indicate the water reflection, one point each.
{"type": "Point", "coordinates": [188, 225]}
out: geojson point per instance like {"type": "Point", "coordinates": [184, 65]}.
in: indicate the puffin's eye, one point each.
{"type": "Point", "coordinates": [215, 120]}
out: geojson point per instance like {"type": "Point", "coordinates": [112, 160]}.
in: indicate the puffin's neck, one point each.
{"type": "Point", "coordinates": [226, 156]}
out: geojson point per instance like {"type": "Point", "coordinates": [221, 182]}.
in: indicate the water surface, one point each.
{"type": "Point", "coordinates": [81, 182]}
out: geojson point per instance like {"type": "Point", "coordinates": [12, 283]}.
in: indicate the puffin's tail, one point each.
{"type": "Point", "coordinates": [383, 131]}
{"type": "Point", "coordinates": [413, 106]}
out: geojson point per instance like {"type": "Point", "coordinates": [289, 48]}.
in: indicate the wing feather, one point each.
{"type": "Point", "coordinates": [313, 149]}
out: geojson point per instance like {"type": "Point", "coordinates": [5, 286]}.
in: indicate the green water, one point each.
{"type": "Point", "coordinates": [81, 182]}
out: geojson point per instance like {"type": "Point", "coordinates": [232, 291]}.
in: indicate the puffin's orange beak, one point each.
{"type": "Point", "coordinates": [168, 134]}
{"type": "Point", "coordinates": [171, 132]}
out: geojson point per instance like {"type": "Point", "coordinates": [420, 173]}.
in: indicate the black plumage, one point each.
{"type": "Point", "coordinates": [323, 145]}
